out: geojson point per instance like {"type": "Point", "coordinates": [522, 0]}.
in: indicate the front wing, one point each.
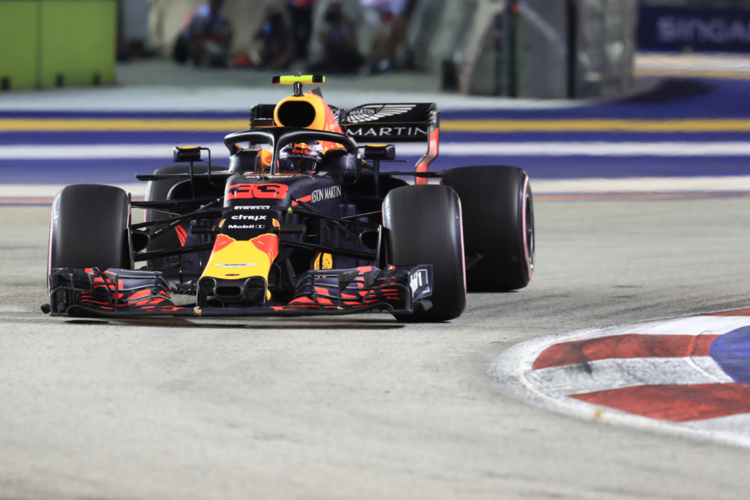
{"type": "Point", "coordinates": [126, 293]}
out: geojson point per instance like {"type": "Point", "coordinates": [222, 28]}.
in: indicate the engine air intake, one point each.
{"type": "Point", "coordinates": [296, 113]}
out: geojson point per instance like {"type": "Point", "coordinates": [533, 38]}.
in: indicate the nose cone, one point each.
{"type": "Point", "coordinates": [233, 259]}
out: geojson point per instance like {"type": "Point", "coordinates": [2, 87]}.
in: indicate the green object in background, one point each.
{"type": "Point", "coordinates": [46, 43]}
{"type": "Point", "coordinates": [18, 43]}
{"type": "Point", "coordinates": [78, 42]}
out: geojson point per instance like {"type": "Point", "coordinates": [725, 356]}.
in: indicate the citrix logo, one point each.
{"type": "Point", "coordinates": [248, 217]}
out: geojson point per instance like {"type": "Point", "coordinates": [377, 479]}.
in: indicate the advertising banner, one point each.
{"type": "Point", "coordinates": [669, 29]}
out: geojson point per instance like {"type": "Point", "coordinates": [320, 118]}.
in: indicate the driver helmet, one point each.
{"type": "Point", "coordinates": [300, 158]}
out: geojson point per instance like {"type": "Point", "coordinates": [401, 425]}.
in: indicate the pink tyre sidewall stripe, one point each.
{"type": "Point", "coordinates": [523, 224]}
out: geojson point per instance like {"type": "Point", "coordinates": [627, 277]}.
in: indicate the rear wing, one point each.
{"type": "Point", "coordinates": [379, 123]}
{"type": "Point", "coordinates": [402, 122]}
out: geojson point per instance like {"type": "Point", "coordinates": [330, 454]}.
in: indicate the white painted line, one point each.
{"type": "Point", "coordinates": [152, 99]}
{"type": "Point", "coordinates": [689, 325]}
{"type": "Point", "coordinates": [726, 424]}
{"type": "Point", "coordinates": [710, 368]}
{"type": "Point", "coordinates": [50, 190]}
{"type": "Point", "coordinates": [693, 62]}
{"type": "Point", "coordinates": [733, 184]}
{"type": "Point", "coordinates": [607, 374]}
{"type": "Point", "coordinates": [595, 149]}
{"type": "Point", "coordinates": [98, 152]}
{"type": "Point", "coordinates": [451, 149]}
{"type": "Point", "coordinates": [642, 185]}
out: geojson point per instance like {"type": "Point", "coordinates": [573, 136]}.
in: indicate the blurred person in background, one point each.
{"type": "Point", "coordinates": [339, 38]}
{"type": "Point", "coordinates": [301, 12]}
{"type": "Point", "coordinates": [206, 37]}
{"type": "Point", "coordinates": [277, 45]}
{"type": "Point", "coordinates": [390, 19]}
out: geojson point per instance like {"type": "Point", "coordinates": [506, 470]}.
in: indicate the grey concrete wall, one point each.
{"type": "Point", "coordinates": [478, 71]}
{"type": "Point", "coordinates": [440, 30]}
{"type": "Point", "coordinates": [606, 46]}
{"type": "Point", "coordinates": [135, 20]}
{"type": "Point", "coordinates": [543, 50]}
{"type": "Point", "coordinates": [353, 9]}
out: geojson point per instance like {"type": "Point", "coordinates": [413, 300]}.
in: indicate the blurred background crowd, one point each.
{"type": "Point", "coordinates": [284, 32]}
{"type": "Point", "coordinates": [339, 36]}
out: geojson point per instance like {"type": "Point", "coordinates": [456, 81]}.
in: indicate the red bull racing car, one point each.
{"type": "Point", "coordinates": [302, 222]}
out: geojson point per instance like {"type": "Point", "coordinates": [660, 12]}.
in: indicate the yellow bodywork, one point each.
{"type": "Point", "coordinates": [233, 260]}
{"type": "Point", "coordinates": [323, 261]}
{"type": "Point", "coordinates": [289, 80]}
{"type": "Point", "coordinates": [320, 107]}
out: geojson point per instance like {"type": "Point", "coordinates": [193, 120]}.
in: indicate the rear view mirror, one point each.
{"type": "Point", "coordinates": [338, 161]}
{"type": "Point", "coordinates": [245, 160]}
{"type": "Point", "coordinates": [353, 165]}
{"type": "Point", "coordinates": [380, 152]}
{"type": "Point", "coordinates": [182, 154]}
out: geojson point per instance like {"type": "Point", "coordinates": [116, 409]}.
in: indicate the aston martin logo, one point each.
{"type": "Point", "coordinates": [374, 112]}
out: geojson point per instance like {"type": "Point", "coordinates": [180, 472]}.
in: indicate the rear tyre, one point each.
{"type": "Point", "coordinates": [174, 238]}
{"type": "Point", "coordinates": [159, 190]}
{"type": "Point", "coordinates": [425, 228]}
{"type": "Point", "coordinates": [90, 228]}
{"type": "Point", "coordinates": [498, 215]}
{"type": "Point", "coordinates": [156, 191]}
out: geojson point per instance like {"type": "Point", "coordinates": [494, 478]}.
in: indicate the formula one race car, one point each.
{"type": "Point", "coordinates": [303, 222]}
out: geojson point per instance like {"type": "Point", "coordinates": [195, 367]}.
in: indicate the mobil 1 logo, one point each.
{"type": "Point", "coordinates": [240, 219]}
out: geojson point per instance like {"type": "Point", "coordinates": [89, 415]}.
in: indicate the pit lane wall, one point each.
{"type": "Point", "coordinates": [528, 48]}
{"type": "Point", "coordinates": [48, 43]}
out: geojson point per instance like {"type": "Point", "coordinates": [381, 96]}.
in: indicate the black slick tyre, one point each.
{"type": "Point", "coordinates": [424, 225]}
{"type": "Point", "coordinates": [498, 219]}
{"type": "Point", "coordinates": [90, 228]}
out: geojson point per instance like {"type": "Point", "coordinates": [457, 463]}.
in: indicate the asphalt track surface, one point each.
{"type": "Point", "coordinates": [362, 407]}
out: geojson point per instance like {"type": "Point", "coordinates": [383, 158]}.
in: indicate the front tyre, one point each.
{"type": "Point", "coordinates": [90, 228]}
{"type": "Point", "coordinates": [425, 228]}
